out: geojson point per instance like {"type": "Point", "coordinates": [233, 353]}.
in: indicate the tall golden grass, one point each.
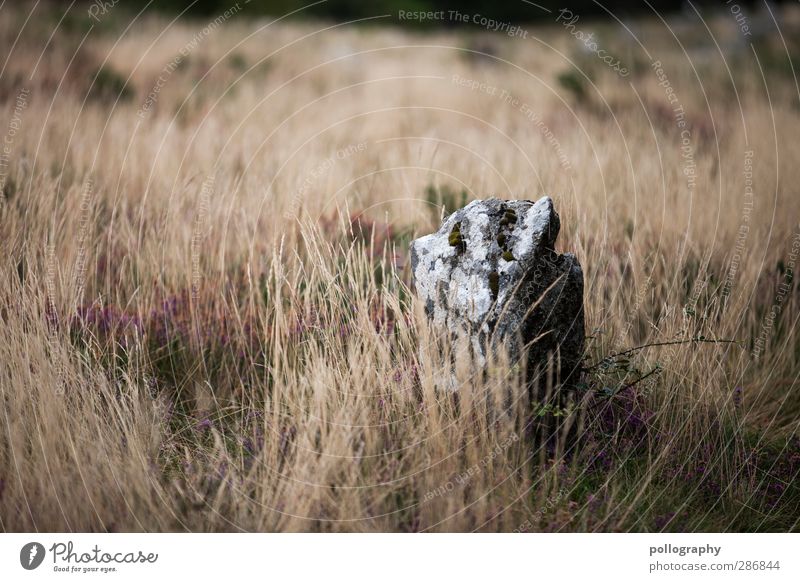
{"type": "Point", "coordinates": [207, 314]}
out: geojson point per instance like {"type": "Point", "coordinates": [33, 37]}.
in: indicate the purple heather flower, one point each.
{"type": "Point", "coordinates": [247, 445]}
{"type": "Point", "coordinates": [776, 486]}
{"type": "Point", "coordinates": [661, 521]}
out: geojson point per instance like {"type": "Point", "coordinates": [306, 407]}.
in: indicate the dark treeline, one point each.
{"type": "Point", "coordinates": [512, 11]}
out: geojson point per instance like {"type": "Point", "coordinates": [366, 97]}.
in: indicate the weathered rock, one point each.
{"type": "Point", "coordinates": [491, 274]}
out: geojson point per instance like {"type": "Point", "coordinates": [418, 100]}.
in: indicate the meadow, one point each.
{"type": "Point", "coordinates": [208, 317]}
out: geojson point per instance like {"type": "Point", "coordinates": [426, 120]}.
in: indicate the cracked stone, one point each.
{"type": "Point", "coordinates": [500, 282]}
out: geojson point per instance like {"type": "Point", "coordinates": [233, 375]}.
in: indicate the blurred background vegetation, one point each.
{"type": "Point", "coordinates": [513, 11]}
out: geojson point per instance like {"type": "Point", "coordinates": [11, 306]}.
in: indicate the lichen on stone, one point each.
{"type": "Point", "coordinates": [494, 284]}
{"type": "Point", "coordinates": [455, 239]}
{"type": "Point", "coordinates": [509, 218]}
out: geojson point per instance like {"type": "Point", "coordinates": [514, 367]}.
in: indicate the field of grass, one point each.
{"type": "Point", "coordinates": [207, 315]}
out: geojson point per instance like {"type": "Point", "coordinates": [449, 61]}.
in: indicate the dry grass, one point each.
{"type": "Point", "coordinates": [195, 334]}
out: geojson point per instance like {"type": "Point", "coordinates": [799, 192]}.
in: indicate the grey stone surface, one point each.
{"type": "Point", "coordinates": [491, 274]}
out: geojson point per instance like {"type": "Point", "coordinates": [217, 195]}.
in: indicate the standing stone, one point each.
{"type": "Point", "coordinates": [491, 274]}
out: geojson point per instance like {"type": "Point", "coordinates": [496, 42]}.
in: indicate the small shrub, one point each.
{"type": "Point", "coordinates": [575, 83]}
{"type": "Point", "coordinates": [109, 84]}
{"type": "Point", "coordinates": [238, 62]}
